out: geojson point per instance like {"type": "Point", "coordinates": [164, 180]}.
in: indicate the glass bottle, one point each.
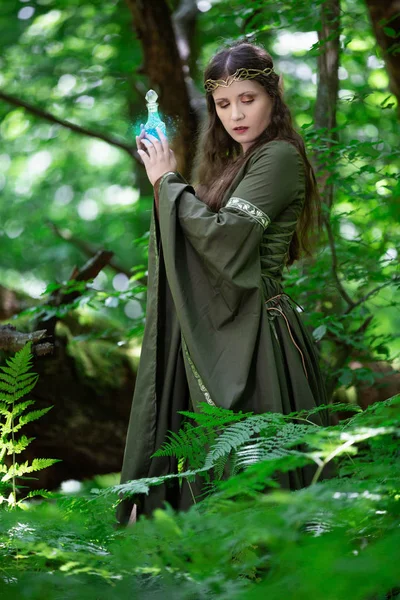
{"type": "Point", "coordinates": [153, 119]}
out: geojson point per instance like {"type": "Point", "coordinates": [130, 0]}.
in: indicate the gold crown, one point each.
{"type": "Point", "coordinates": [240, 74]}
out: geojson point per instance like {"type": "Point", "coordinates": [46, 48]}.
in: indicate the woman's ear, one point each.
{"type": "Point", "coordinates": [280, 84]}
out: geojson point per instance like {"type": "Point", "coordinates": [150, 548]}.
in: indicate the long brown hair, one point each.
{"type": "Point", "coordinates": [219, 157]}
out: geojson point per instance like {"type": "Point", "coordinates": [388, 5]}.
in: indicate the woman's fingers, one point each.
{"type": "Point", "coordinates": [158, 149]}
{"type": "Point", "coordinates": [149, 147]}
{"type": "Point", "coordinates": [163, 140]}
{"type": "Point", "coordinates": [139, 142]}
{"type": "Point", "coordinates": [143, 156]}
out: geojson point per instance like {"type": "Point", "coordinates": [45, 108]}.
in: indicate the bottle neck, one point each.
{"type": "Point", "coordinates": [152, 108]}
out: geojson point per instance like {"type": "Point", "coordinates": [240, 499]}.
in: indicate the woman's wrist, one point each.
{"type": "Point", "coordinates": [161, 179]}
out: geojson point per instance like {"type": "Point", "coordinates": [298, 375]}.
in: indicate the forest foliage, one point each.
{"type": "Point", "coordinates": [247, 538]}
{"type": "Point", "coordinates": [80, 63]}
{"type": "Point", "coordinates": [68, 192]}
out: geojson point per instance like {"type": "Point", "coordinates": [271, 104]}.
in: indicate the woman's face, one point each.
{"type": "Point", "coordinates": [243, 104]}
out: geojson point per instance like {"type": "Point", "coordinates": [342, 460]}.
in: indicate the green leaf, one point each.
{"type": "Point", "coordinates": [319, 333]}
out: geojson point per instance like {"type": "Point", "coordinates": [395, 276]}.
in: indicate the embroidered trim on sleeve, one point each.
{"type": "Point", "coordinates": [249, 209]}
{"type": "Point", "coordinates": [163, 177]}
{"type": "Point", "coordinates": [196, 375]}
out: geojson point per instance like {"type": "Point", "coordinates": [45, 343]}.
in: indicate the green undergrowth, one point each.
{"type": "Point", "coordinates": [335, 539]}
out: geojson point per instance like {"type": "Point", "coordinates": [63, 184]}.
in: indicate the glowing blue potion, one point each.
{"type": "Point", "coordinates": [153, 119]}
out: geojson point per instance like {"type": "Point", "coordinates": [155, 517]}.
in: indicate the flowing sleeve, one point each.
{"type": "Point", "coordinates": [213, 268]}
{"type": "Point", "coordinates": [228, 241]}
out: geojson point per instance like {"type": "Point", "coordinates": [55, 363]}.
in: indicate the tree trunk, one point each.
{"type": "Point", "coordinates": [385, 19]}
{"type": "Point", "coordinates": [164, 67]}
{"type": "Point", "coordinates": [328, 81]}
{"type": "Point", "coordinates": [326, 104]}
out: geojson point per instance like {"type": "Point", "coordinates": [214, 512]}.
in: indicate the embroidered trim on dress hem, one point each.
{"type": "Point", "coordinates": [249, 209]}
{"type": "Point", "coordinates": [196, 374]}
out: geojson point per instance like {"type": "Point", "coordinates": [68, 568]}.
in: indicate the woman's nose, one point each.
{"type": "Point", "coordinates": [236, 113]}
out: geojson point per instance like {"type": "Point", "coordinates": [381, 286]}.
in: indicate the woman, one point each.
{"type": "Point", "coordinates": [219, 327]}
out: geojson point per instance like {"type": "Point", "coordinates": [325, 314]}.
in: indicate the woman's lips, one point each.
{"type": "Point", "coordinates": [241, 129]}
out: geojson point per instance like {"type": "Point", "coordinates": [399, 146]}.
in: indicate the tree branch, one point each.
{"type": "Point", "coordinates": [89, 249]}
{"type": "Point", "coordinates": [44, 114]}
{"type": "Point", "coordinates": [371, 293]}
{"type": "Point", "coordinates": [12, 340]}
{"type": "Point", "coordinates": [184, 22]}
{"type": "Point", "coordinates": [60, 297]}
{"type": "Point", "coordinates": [339, 285]}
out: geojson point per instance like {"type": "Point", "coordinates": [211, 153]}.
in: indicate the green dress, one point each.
{"type": "Point", "coordinates": [219, 327]}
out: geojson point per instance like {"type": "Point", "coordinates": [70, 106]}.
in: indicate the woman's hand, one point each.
{"type": "Point", "coordinates": [158, 158]}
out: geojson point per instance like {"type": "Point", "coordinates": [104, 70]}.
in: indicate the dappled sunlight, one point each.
{"type": "Point", "coordinates": [70, 486]}
{"type": "Point", "coordinates": [102, 154]}
{"type": "Point", "coordinates": [124, 196]}
{"type": "Point", "coordinates": [100, 281]}
{"type": "Point", "coordinates": [120, 282]}
{"type": "Point", "coordinates": [348, 230]}
{"type": "Point", "coordinates": [13, 229]}
{"type": "Point", "coordinates": [38, 163]}
{"type": "Point", "coordinates": [14, 124]}
{"type": "Point", "coordinates": [26, 13]}
{"type": "Point", "coordinates": [289, 43]}
{"type": "Point", "coordinates": [389, 256]}
{"type": "Point", "coordinates": [85, 101]}
{"type": "Point", "coordinates": [133, 309]}
{"type": "Point", "coordinates": [45, 25]}
{"type": "Point", "coordinates": [5, 162]}
{"type": "Point", "coordinates": [88, 209]}
{"type": "Point", "coordinates": [63, 195]}
{"type": "Point", "coordinates": [26, 282]}
{"type": "Point", "coordinates": [66, 84]}
{"type": "Point", "coordinates": [204, 5]}
{"type": "Point", "coordinates": [384, 188]}
{"type": "Point", "coordinates": [378, 79]}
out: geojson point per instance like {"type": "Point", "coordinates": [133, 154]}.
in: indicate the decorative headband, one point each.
{"type": "Point", "coordinates": [240, 74]}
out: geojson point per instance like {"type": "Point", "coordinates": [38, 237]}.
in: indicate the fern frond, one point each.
{"type": "Point", "coordinates": [269, 448]}
{"type": "Point", "coordinates": [19, 394]}
{"type": "Point", "coordinates": [189, 443]}
{"type": "Point", "coordinates": [6, 392]}
{"type": "Point", "coordinates": [239, 433]}
{"type": "Point", "coordinates": [332, 408]}
{"type": "Point", "coordinates": [7, 380]}
{"type": "Point", "coordinates": [212, 416]}
{"type": "Point", "coordinates": [26, 376]}
{"type": "Point", "coordinates": [142, 486]}
{"type": "Point", "coordinates": [41, 493]}
{"type": "Point", "coordinates": [17, 446]}
{"type": "Point", "coordinates": [4, 409]}
{"type": "Point", "coordinates": [31, 416]}
{"type": "Point", "coordinates": [17, 382]}
{"type": "Point", "coordinates": [192, 441]}
{"type": "Point", "coordinates": [17, 470]}
{"type": "Point", "coordinates": [20, 407]}
{"type": "Point", "coordinates": [21, 362]}
{"type": "Point", "coordinates": [27, 383]}
{"type": "Point", "coordinates": [42, 463]}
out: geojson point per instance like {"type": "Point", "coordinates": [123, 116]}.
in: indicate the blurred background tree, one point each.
{"type": "Point", "coordinates": [73, 76]}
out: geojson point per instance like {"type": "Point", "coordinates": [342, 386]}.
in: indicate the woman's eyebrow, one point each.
{"type": "Point", "coordinates": [239, 96]}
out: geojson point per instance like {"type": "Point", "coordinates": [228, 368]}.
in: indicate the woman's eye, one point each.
{"type": "Point", "coordinates": [244, 102]}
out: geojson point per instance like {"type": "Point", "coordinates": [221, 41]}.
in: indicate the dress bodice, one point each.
{"type": "Point", "coordinates": [276, 240]}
